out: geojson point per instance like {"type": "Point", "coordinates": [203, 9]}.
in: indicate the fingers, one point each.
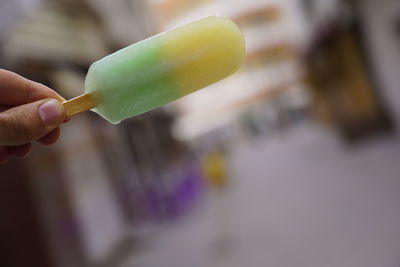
{"type": "Point", "coordinates": [16, 90]}
{"type": "Point", "coordinates": [20, 151]}
{"type": "Point", "coordinates": [50, 138]}
{"type": "Point", "coordinates": [3, 108]}
{"type": "Point", "coordinates": [28, 111]}
{"type": "Point", "coordinates": [6, 152]}
{"type": "Point", "coordinates": [22, 124]}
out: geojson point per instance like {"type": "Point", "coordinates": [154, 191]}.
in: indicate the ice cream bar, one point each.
{"type": "Point", "coordinates": [161, 69]}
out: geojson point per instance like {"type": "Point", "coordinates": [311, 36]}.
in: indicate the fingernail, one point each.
{"type": "Point", "coordinates": [50, 112]}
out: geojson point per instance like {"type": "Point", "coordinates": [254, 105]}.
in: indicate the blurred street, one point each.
{"type": "Point", "coordinates": [309, 201]}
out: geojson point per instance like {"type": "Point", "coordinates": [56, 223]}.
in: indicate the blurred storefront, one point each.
{"type": "Point", "coordinates": [345, 91]}
{"type": "Point", "coordinates": [379, 25]}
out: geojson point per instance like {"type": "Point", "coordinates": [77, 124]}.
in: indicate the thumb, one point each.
{"type": "Point", "coordinates": [25, 123]}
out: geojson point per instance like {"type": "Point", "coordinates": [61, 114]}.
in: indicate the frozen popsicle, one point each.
{"type": "Point", "coordinates": [161, 69]}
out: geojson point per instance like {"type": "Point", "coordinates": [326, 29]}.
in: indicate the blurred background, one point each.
{"type": "Point", "coordinates": [292, 161]}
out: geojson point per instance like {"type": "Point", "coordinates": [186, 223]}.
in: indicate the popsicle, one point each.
{"type": "Point", "coordinates": [161, 69]}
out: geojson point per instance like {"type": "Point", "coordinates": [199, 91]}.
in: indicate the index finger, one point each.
{"type": "Point", "coordinates": [17, 90]}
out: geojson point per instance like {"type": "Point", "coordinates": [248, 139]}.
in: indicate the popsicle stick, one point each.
{"type": "Point", "coordinates": [78, 104]}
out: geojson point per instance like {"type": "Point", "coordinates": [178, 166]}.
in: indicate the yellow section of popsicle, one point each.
{"type": "Point", "coordinates": [204, 53]}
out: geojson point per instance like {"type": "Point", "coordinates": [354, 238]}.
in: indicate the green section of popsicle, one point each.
{"type": "Point", "coordinates": [130, 81]}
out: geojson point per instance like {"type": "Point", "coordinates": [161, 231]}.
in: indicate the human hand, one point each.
{"type": "Point", "coordinates": [29, 111]}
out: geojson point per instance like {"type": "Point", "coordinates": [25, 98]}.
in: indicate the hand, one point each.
{"type": "Point", "coordinates": [28, 111]}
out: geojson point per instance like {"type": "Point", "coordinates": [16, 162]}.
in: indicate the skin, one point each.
{"type": "Point", "coordinates": [21, 122]}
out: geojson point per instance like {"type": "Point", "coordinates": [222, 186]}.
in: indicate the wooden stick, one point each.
{"type": "Point", "coordinates": [78, 104]}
